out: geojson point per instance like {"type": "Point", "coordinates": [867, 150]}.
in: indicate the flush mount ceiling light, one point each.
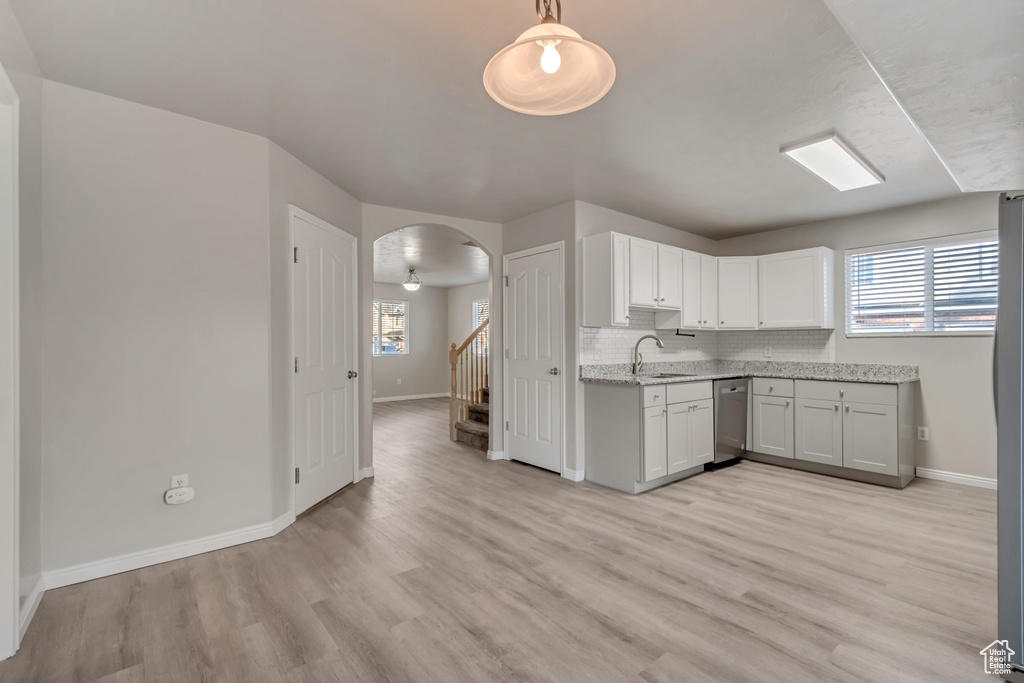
{"type": "Point", "coordinates": [549, 69]}
{"type": "Point", "coordinates": [835, 162]}
{"type": "Point", "coordinates": [413, 282]}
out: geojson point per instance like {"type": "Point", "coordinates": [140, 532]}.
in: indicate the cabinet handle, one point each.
{"type": "Point", "coordinates": [761, 323]}
{"type": "Point", "coordinates": [771, 387]}
{"type": "Point", "coordinates": [787, 403]}
{"type": "Point", "coordinates": [662, 298]}
{"type": "Point", "coordinates": [837, 406]}
{"type": "Point", "coordinates": [657, 395]}
{"type": "Point", "coordinates": [847, 407]}
{"type": "Point", "coordinates": [841, 392]}
{"type": "Point", "coordinates": [722, 323]}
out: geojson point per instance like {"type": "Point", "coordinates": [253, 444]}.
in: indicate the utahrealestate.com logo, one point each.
{"type": "Point", "coordinates": [997, 658]}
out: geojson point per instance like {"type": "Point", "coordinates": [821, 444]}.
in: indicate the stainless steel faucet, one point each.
{"type": "Point", "coordinates": [638, 360]}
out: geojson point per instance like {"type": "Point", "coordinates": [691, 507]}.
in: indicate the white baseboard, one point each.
{"type": "Point", "coordinates": [573, 475]}
{"type": "Point", "coordinates": [364, 473]}
{"type": "Point", "coordinates": [496, 455]}
{"type": "Point", "coordinates": [389, 399]}
{"type": "Point", "coordinates": [31, 605]}
{"type": "Point", "coordinates": [953, 477]}
{"type": "Point", "coordinates": [145, 558]}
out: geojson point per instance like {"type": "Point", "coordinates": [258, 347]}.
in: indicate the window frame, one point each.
{"type": "Point", "coordinates": [476, 323]}
{"type": "Point", "coordinates": [945, 241]}
{"type": "Point", "coordinates": [405, 304]}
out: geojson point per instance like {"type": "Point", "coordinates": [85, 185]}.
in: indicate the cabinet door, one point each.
{"type": "Point", "coordinates": [620, 279]}
{"type": "Point", "coordinates": [791, 290]}
{"type": "Point", "coordinates": [870, 438]}
{"type": "Point", "coordinates": [679, 456]}
{"type": "Point", "coordinates": [691, 289]}
{"type": "Point", "coordinates": [737, 293]}
{"type": "Point", "coordinates": [773, 426]}
{"type": "Point", "coordinates": [655, 436]}
{"type": "Point", "coordinates": [670, 277]}
{"type": "Point", "coordinates": [819, 431]}
{"type": "Point", "coordinates": [708, 292]}
{"type": "Point", "coordinates": [643, 273]}
{"type": "Point", "coordinates": [702, 431]}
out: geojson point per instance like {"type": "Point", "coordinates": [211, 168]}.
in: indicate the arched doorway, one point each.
{"type": "Point", "coordinates": [431, 340]}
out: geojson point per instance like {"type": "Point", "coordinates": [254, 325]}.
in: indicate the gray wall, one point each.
{"type": "Point", "coordinates": [19, 63]}
{"type": "Point", "coordinates": [956, 372]}
{"type": "Point", "coordinates": [424, 370]}
{"type": "Point", "coordinates": [292, 182]}
{"type": "Point", "coordinates": [460, 310]}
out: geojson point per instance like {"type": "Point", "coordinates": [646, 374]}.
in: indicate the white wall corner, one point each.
{"type": "Point", "coordinates": [496, 455]}
{"type": "Point", "coordinates": [954, 478]}
{"type": "Point", "coordinates": [31, 605]}
{"type": "Point", "coordinates": [573, 475]}
{"type": "Point", "coordinates": [88, 571]}
{"type": "Point", "coordinates": [364, 473]}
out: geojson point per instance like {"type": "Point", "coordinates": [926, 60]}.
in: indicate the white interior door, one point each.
{"type": "Point", "coordinates": [324, 333]}
{"type": "Point", "coordinates": [533, 333]}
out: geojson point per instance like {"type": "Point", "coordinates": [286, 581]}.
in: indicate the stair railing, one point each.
{"type": "Point", "coordinates": [470, 374]}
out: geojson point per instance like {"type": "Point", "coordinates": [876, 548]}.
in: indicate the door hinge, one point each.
{"type": "Point", "coordinates": [295, 254]}
{"type": "Point", "coordinates": [296, 364]}
{"type": "Point", "coordinates": [506, 425]}
{"type": "Point", "coordinates": [296, 475]}
{"type": "Point", "coordinates": [506, 280]}
{"type": "Point", "coordinates": [506, 353]}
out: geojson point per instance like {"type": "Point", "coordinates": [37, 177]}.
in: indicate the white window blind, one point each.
{"type": "Point", "coordinates": [481, 312]}
{"type": "Point", "coordinates": [947, 286]}
{"type": "Point", "coordinates": [390, 329]}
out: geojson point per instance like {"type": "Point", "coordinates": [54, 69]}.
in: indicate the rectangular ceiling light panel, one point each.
{"type": "Point", "coordinates": [835, 162]}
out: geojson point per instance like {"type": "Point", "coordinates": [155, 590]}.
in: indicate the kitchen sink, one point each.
{"type": "Point", "coordinates": [670, 375]}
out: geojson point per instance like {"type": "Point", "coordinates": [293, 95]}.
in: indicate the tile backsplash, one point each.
{"type": "Point", "coordinates": [615, 344]}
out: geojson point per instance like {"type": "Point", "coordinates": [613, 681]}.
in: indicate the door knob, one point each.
{"type": "Point", "coordinates": [553, 371]}
{"type": "Point", "coordinates": [352, 374]}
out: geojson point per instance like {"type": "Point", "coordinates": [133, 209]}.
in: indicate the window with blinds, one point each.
{"type": "Point", "coordinates": [481, 312]}
{"type": "Point", "coordinates": [390, 327]}
{"type": "Point", "coordinates": [943, 287]}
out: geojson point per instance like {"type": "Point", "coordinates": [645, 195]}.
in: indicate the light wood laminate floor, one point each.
{"type": "Point", "coordinates": [449, 568]}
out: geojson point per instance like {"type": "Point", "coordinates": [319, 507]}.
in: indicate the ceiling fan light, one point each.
{"type": "Point", "coordinates": [549, 70]}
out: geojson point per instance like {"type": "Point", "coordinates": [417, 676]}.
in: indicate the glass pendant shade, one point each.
{"type": "Point", "coordinates": [549, 70]}
{"type": "Point", "coordinates": [413, 282]}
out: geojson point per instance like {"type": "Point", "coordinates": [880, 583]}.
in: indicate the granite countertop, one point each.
{"type": "Point", "coordinates": [702, 371]}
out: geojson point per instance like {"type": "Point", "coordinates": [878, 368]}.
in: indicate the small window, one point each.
{"type": "Point", "coordinates": [390, 327]}
{"type": "Point", "coordinates": [939, 287]}
{"type": "Point", "coordinates": [482, 312]}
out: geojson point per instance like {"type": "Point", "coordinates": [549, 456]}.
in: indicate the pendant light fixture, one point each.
{"type": "Point", "coordinates": [549, 69]}
{"type": "Point", "coordinates": [413, 282]}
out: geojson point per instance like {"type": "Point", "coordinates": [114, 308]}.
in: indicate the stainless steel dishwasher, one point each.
{"type": "Point", "coordinates": [730, 418]}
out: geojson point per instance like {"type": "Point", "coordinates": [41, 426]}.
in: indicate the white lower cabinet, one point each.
{"type": "Point", "coordinates": [773, 426]}
{"type": "Point", "coordinates": [870, 438]}
{"type": "Point", "coordinates": [819, 431]}
{"type": "Point", "coordinates": [655, 442]}
{"type": "Point", "coordinates": [691, 434]}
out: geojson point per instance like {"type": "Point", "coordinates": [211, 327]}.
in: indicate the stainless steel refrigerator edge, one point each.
{"type": "Point", "coordinates": [730, 418]}
{"type": "Point", "coordinates": [1007, 379]}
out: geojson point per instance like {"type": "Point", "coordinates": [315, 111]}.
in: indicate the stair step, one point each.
{"type": "Point", "coordinates": [480, 412]}
{"type": "Point", "coordinates": [474, 434]}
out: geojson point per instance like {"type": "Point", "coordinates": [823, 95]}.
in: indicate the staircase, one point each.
{"type": "Point", "coordinates": [476, 430]}
{"type": "Point", "coordinates": [471, 395]}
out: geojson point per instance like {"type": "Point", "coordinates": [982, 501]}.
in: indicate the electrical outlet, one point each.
{"type": "Point", "coordinates": [179, 480]}
{"type": "Point", "coordinates": [767, 352]}
{"type": "Point", "coordinates": [922, 434]}
{"type": "Point", "coordinates": [399, 380]}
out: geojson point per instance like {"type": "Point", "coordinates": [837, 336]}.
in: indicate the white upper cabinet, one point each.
{"type": "Point", "coordinates": [708, 292]}
{"type": "Point", "coordinates": [606, 280]}
{"type": "Point", "coordinates": [691, 312]}
{"type": "Point", "coordinates": [643, 273]}
{"type": "Point", "coordinates": [737, 293]}
{"type": "Point", "coordinates": [670, 277]}
{"type": "Point", "coordinates": [795, 289]}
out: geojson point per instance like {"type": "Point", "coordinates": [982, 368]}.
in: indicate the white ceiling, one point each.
{"type": "Point", "coordinates": [440, 255]}
{"type": "Point", "coordinates": [386, 100]}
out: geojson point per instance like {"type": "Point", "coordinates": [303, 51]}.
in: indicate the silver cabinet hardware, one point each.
{"type": "Point", "coordinates": [841, 392]}
{"type": "Point", "coordinates": [837, 406]}
{"type": "Point", "coordinates": [847, 407]}
{"type": "Point", "coordinates": [787, 403]}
